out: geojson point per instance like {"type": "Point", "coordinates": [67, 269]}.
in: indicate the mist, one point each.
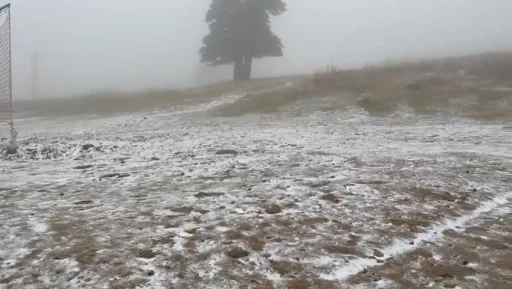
{"type": "Point", "coordinates": [90, 46]}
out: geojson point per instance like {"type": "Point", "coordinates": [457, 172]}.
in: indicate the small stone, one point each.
{"type": "Point", "coordinates": [330, 198]}
{"type": "Point", "coordinates": [450, 284]}
{"type": "Point", "coordinates": [273, 209]}
{"type": "Point", "coordinates": [237, 252]}
{"type": "Point", "coordinates": [11, 150]}
{"type": "Point", "coordinates": [226, 152]}
{"type": "Point", "coordinates": [201, 195]}
{"type": "Point", "coordinates": [146, 254]}
{"type": "Point", "coordinates": [87, 147]}
{"type": "Point", "coordinates": [155, 159]}
{"type": "Point", "coordinates": [184, 210]}
{"type": "Point", "coordinates": [84, 202]}
{"type": "Point", "coordinates": [378, 253]}
{"type": "Point", "coordinates": [151, 273]}
{"type": "Point", "coordinates": [112, 175]}
{"type": "Point", "coordinates": [106, 176]}
{"type": "Point", "coordinates": [84, 167]}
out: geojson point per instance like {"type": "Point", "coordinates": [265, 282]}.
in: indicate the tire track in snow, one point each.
{"type": "Point", "coordinates": [403, 246]}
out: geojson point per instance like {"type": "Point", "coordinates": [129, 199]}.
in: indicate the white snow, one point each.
{"type": "Point", "coordinates": [400, 247]}
{"type": "Point", "coordinates": [170, 156]}
{"type": "Point", "coordinates": [38, 226]}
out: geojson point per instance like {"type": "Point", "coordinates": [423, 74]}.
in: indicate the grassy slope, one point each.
{"type": "Point", "coordinates": [427, 86]}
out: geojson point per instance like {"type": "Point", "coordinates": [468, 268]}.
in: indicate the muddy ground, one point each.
{"type": "Point", "coordinates": [187, 198]}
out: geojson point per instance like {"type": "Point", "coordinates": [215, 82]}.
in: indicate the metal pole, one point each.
{"type": "Point", "coordinates": [13, 132]}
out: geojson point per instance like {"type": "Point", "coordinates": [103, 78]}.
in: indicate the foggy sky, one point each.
{"type": "Point", "coordinates": [92, 45]}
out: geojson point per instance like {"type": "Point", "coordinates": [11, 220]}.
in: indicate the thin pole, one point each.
{"type": "Point", "coordinates": [13, 132]}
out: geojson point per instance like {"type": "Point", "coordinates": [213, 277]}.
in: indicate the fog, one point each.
{"type": "Point", "coordinates": [97, 45]}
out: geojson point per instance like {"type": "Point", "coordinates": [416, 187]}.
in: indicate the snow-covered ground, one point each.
{"type": "Point", "coordinates": [182, 199]}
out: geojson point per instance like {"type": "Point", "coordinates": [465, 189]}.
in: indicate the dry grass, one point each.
{"type": "Point", "coordinates": [268, 101]}
{"type": "Point", "coordinates": [118, 102]}
{"type": "Point", "coordinates": [426, 86]}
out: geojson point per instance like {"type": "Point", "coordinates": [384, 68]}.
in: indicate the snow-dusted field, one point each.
{"type": "Point", "coordinates": [181, 199]}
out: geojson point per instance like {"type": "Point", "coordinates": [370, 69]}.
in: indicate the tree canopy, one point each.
{"type": "Point", "coordinates": [240, 30]}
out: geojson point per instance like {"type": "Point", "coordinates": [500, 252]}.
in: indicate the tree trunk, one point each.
{"type": "Point", "coordinates": [238, 70]}
{"type": "Point", "coordinates": [247, 67]}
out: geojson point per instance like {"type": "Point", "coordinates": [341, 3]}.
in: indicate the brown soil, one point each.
{"type": "Point", "coordinates": [236, 252]}
{"type": "Point", "coordinates": [145, 253]}
{"type": "Point", "coordinates": [330, 198]}
{"type": "Point", "coordinates": [313, 221]}
{"type": "Point", "coordinates": [342, 250]}
{"type": "Point", "coordinates": [256, 242]}
{"type": "Point", "coordinates": [286, 268]}
{"type": "Point", "coordinates": [183, 210]}
{"type": "Point", "coordinates": [449, 271]}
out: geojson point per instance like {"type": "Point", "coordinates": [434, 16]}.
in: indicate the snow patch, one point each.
{"type": "Point", "coordinates": [400, 247]}
{"type": "Point", "coordinates": [38, 226]}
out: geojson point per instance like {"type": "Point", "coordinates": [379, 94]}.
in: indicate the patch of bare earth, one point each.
{"type": "Point", "coordinates": [476, 257]}
{"type": "Point", "coordinates": [266, 203]}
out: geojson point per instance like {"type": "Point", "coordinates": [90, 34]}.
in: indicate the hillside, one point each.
{"type": "Point", "coordinates": [476, 86]}
{"type": "Point", "coordinates": [394, 176]}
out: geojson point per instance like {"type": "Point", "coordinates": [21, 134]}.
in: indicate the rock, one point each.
{"type": "Point", "coordinates": [11, 150]}
{"type": "Point", "coordinates": [273, 209]}
{"type": "Point", "coordinates": [146, 254]}
{"type": "Point", "coordinates": [330, 198]}
{"type": "Point", "coordinates": [378, 253]}
{"type": "Point", "coordinates": [184, 210]}
{"type": "Point", "coordinates": [84, 202]}
{"type": "Point", "coordinates": [112, 175]}
{"type": "Point", "coordinates": [201, 195]}
{"type": "Point", "coordinates": [84, 167]}
{"type": "Point", "coordinates": [151, 273]}
{"type": "Point", "coordinates": [450, 284]}
{"type": "Point", "coordinates": [318, 184]}
{"type": "Point", "coordinates": [237, 252]}
{"type": "Point", "coordinates": [87, 147]}
{"type": "Point", "coordinates": [155, 159]}
{"type": "Point", "coordinates": [226, 152]}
